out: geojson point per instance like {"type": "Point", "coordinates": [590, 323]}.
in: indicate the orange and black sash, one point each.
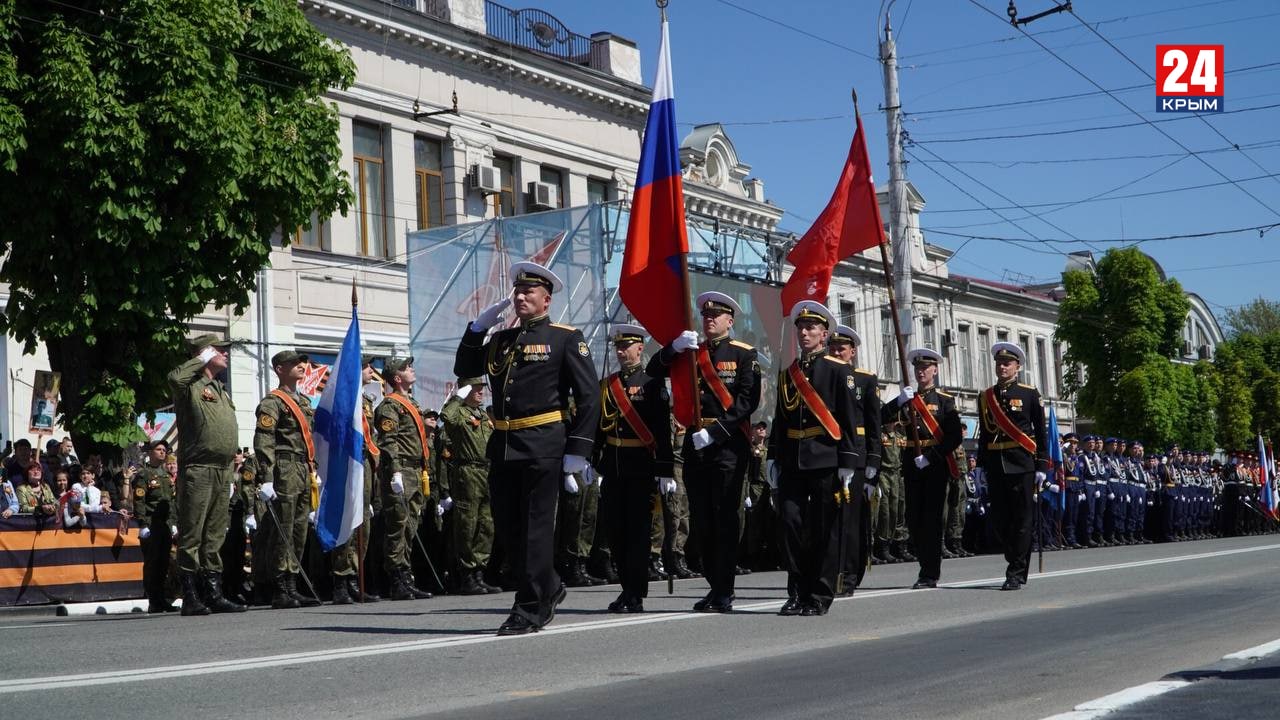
{"type": "Point", "coordinates": [712, 378]}
{"type": "Point", "coordinates": [812, 401]}
{"type": "Point", "coordinates": [301, 418]}
{"type": "Point", "coordinates": [1005, 424]}
{"type": "Point", "coordinates": [931, 424]}
{"type": "Point", "coordinates": [631, 414]}
{"type": "Point", "coordinates": [369, 444]}
{"type": "Point", "coordinates": [417, 421]}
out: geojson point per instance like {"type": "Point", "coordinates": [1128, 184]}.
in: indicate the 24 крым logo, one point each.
{"type": "Point", "coordinates": [1189, 78]}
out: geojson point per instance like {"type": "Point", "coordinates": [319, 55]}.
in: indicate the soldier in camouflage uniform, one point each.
{"type": "Point", "coordinates": [207, 439]}
{"type": "Point", "coordinates": [467, 429]}
{"type": "Point", "coordinates": [671, 531]}
{"type": "Point", "coordinates": [957, 498]}
{"type": "Point", "coordinates": [285, 456]}
{"type": "Point", "coordinates": [348, 557]}
{"type": "Point", "coordinates": [153, 509]}
{"type": "Point", "coordinates": [403, 475]}
{"type": "Point", "coordinates": [890, 538]}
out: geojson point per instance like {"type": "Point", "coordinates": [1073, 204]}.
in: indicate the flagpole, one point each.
{"type": "Point", "coordinates": [355, 302]}
{"type": "Point", "coordinates": [893, 299]}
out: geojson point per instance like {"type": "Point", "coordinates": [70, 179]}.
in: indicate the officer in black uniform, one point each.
{"type": "Point", "coordinates": [933, 433]}
{"type": "Point", "coordinates": [815, 449]}
{"type": "Point", "coordinates": [633, 452]}
{"type": "Point", "coordinates": [716, 454]}
{"type": "Point", "coordinates": [1014, 471]}
{"type": "Point", "coordinates": [845, 343]}
{"type": "Point", "coordinates": [535, 370]}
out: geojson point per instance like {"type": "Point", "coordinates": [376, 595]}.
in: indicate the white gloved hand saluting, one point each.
{"type": "Point", "coordinates": [905, 396]}
{"type": "Point", "coordinates": [771, 473]}
{"type": "Point", "coordinates": [490, 316]}
{"type": "Point", "coordinates": [921, 462]}
{"type": "Point", "coordinates": [462, 392]}
{"type": "Point", "coordinates": [574, 464]}
{"type": "Point", "coordinates": [846, 477]}
{"type": "Point", "coordinates": [666, 485]}
{"type": "Point", "coordinates": [870, 473]}
{"type": "Point", "coordinates": [687, 340]}
{"type": "Point", "coordinates": [267, 491]}
{"type": "Point", "coordinates": [701, 439]}
{"type": "Point", "coordinates": [570, 485]}
{"type": "Point", "coordinates": [397, 483]}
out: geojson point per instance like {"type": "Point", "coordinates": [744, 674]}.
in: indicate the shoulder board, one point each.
{"type": "Point", "coordinates": [570, 328]}
{"type": "Point", "coordinates": [944, 394]}
{"type": "Point", "coordinates": [864, 371]}
{"type": "Point", "coordinates": [739, 343]}
{"type": "Point", "coordinates": [834, 359]}
{"type": "Point", "coordinates": [1029, 387]}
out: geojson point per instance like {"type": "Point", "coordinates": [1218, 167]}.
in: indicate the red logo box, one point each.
{"type": "Point", "coordinates": [1189, 78]}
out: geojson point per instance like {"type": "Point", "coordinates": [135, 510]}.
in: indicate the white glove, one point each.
{"type": "Point", "coordinates": [687, 340]}
{"type": "Point", "coordinates": [747, 503]}
{"type": "Point", "coordinates": [490, 316]}
{"type": "Point", "coordinates": [1040, 477]}
{"type": "Point", "coordinates": [701, 439]}
{"type": "Point", "coordinates": [1054, 487]}
{"type": "Point", "coordinates": [870, 491]}
{"type": "Point", "coordinates": [446, 504]}
{"type": "Point", "coordinates": [462, 392]}
{"type": "Point", "coordinates": [1082, 497]}
{"type": "Point", "coordinates": [1126, 498]}
{"type": "Point", "coordinates": [666, 485]}
{"type": "Point", "coordinates": [1111, 496]}
{"type": "Point", "coordinates": [397, 483]}
{"type": "Point", "coordinates": [982, 509]}
{"type": "Point", "coordinates": [173, 531]}
{"type": "Point", "coordinates": [208, 354]}
{"type": "Point", "coordinates": [439, 510]}
{"type": "Point", "coordinates": [771, 473]}
{"type": "Point", "coordinates": [846, 477]}
{"type": "Point", "coordinates": [905, 396]}
{"type": "Point", "coordinates": [570, 485]}
{"type": "Point", "coordinates": [870, 473]}
{"type": "Point", "coordinates": [921, 462]}
{"type": "Point", "coordinates": [591, 477]}
{"type": "Point", "coordinates": [267, 491]}
{"type": "Point", "coordinates": [231, 491]}
{"type": "Point", "coordinates": [311, 517]}
{"type": "Point", "coordinates": [144, 533]}
{"type": "Point", "coordinates": [1164, 461]}
{"type": "Point", "coordinates": [250, 523]}
{"type": "Point", "coordinates": [1097, 493]}
{"type": "Point", "coordinates": [574, 464]}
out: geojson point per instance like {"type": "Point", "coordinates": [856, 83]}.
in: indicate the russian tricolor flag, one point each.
{"type": "Point", "coordinates": [653, 284]}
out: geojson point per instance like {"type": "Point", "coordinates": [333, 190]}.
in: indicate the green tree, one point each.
{"type": "Point", "coordinates": [1121, 325]}
{"type": "Point", "coordinates": [1258, 317]}
{"type": "Point", "coordinates": [160, 146]}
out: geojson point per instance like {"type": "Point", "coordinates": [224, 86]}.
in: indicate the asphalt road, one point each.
{"type": "Point", "coordinates": [1096, 622]}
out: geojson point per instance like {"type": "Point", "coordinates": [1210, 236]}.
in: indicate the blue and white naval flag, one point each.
{"type": "Point", "coordinates": [339, 441]}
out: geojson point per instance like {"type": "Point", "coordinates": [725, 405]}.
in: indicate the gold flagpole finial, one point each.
{"type": "Point", "coordinates": [354, 301]}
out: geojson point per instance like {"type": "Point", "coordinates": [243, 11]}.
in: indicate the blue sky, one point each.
{"type": "Point", "coordinates": [783, 94]}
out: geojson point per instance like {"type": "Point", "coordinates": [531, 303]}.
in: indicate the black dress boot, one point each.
{"type": "Point", "coordinates": [191, 603]}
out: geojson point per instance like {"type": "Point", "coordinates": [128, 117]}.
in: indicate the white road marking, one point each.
{"type": "Point", "coordinates": [67, 682]}
{"type": "Point", "coordinates": [1110, 703]}
{"type": "Point", "coordinates": [1254, 653]}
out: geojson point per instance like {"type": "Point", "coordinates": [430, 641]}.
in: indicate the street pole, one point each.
{"type": "Point", "coordinates": [902, 261]}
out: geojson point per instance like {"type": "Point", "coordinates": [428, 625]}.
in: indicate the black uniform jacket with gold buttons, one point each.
{"type": "Point", "coordinates": [997, 450]}
{"type": "Point", "coordinates": [797, 440]}
{"type": "Point", "coordinates": [736, 366]}
{"type": "Point", "coordinates": [617, 444]}
{"type": "Point", "coordinates": [942, 405]}
{"type": "Point", "coordinates": [533, 371]}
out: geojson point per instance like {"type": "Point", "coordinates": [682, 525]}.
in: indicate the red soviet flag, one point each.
{"type": "Point", "coordinates": [848, 225]}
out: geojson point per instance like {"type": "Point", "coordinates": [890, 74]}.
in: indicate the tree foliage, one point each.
{"type": "Point", "coordinates": [1121, 325]}
{"type": "Point", "coordinates": [150, 152]}
{"type": "Point", "coordinates": [1258, 317]}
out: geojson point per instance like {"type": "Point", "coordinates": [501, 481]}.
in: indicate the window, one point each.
{"type": "Point", "coordinates": [888, 343]}
{"type": "Point", "coordinates": [964, 349]}
{"type": "Point", "coordinates": [1024, 342]}
{"type": "Point", "coordinates": [930, 332]}
{"type": "Point", "coordinates": [555, 178]}
{"type": "Point", "coordinates": [1042, 366]}
{"type": "Point", "coordinates": [504, 203]}
{"type": "Point", "coordinates": [367, 174]}
{"type": "Point", "coordinates": [1002, 336]}
{"type": "Point", "coordinates": [848, 310]}
{"type": "Point", "coordinates": [428, 162]}
{"type": "Point", "coordinates": [984, 345]}
{"type": "Point", "coordinates": [1057, 368]}
{"type": "Point", "coordinates": [598, 191]}
{"type": "Point", "coordinates": [313, 238]}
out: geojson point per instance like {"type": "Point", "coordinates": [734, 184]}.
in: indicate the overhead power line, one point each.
{"type": "Point", "coordinates": [1130, 241]}
{"type": "Point", "coordinates": [802, 31]}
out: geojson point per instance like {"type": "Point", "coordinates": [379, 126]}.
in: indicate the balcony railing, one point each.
{"type": "Point", "coordinates": [536, 30]}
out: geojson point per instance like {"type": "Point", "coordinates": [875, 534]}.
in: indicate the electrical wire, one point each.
{"type": "Point", "coordinates": [793, 28]}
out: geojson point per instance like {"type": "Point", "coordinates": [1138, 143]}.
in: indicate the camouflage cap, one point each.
{"type": "Point", "coordinates": [473, 381]}
{"type": "Point", "coordinates": [395, 365]}
{"type": "Point", "coordinates": [288, 357]}
{"type": "Point", "coordinates": [200, 342]}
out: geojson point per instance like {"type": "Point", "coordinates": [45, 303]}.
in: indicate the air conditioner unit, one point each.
{"type": "Point", "coordinates": [949, 338]}
{"type": "Point", "coordinates": [1205, 352]}
{"type": "Point", "coordinates": [486, 179]}
{"type": "Point", "coordinates": [1186, 348]}
{"type": "Point", "coordinates": [543, 196]}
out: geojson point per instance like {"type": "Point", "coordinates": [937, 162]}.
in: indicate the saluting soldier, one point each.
{"type": "Point", "coordinates": [717, 454]}
{"type": "Point", "coordinates": [404, 447]}
{"type": "Point", "coordinates": [845, 343]}
{"type": "Point", "coordinates": [285, 454]}
{"type": "Point", "coordinates": [348, 556]}
{"type": "Point", "coordinates": [467, 429]}
{"type": "Point", "coordinates": [815, 448]}
{"type": "Point", "coordinates": [207, 440]}
{"type": "Point", "coordinates": [1013, 447]}
{"type": "Point", "coordinates": [154, 511]}
{"type": "Point", "coordinates": [633, 450]}
{"type": "Point", "coordinates": [537, 370]}
{"type": "Point", "coordinates": [933, 432]}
